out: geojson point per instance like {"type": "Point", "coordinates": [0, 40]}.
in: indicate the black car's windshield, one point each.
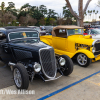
{"type": "Point", "coordinates": [26, 41]}
{"type": "Point", "coordinates": [19, 35]}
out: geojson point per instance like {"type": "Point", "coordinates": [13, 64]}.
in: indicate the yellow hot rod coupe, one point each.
{"type": "Point", "coordinates": [68, 40]}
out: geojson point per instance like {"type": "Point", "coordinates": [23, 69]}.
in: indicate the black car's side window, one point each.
{"type": "Point", "coordinates": [2, 37]}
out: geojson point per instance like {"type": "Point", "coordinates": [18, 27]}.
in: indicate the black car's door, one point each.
{"type": "Point", "coordinates": [5, 53]}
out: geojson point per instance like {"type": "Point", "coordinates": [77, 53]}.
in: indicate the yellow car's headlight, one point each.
{"type": "Point", "coordinates": [93, 49]}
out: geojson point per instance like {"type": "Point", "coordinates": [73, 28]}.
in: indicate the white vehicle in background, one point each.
{"type": "Point", "coordinates": [95, 33]}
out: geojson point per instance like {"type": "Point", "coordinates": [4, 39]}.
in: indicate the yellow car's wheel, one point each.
{"type": "Point", "coordinates": [83, 60]}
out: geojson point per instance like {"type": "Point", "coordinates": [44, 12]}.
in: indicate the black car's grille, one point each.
{"type": "Point", "coordinates": [48, 62]}
{"type": "Point", "coordinates": [97, 46]}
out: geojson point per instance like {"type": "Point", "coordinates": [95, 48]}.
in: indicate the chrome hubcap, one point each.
{"type": "Point", "coordinates": [17, 77]}
{"type": "Point", "coordinates": [82, 59]}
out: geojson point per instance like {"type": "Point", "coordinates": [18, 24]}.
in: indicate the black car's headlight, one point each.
{"type": "Point", "coordinates": [62, 61]}
{"type": "Point", "coordinates": [37, 67]}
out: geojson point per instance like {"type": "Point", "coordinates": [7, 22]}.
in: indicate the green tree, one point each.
{"type": "Point", "coordinates": [11, 5]}
{"type": "Point", "coordinates": [11, 8]}
{"type": "Point", "coordinates": [42, 21]}
{"type": "Point", "coordinates": [26, 6]}
{"type": "Point", "coordinates": [52, 21]}
{"type": "Point", "coordinates": [96, 14]}
{"type": "Point", "coordinates": [66, 12]}
{"type": "Point", "coordinates": [51, 14]}
{"type": "Point", "coordinates": [93, 14]}
{"type": "Point", "coordinates": [35, 13]}
{"type": "Point", "coordinates": [43, 9]}
{"type": "Point", "coordinates": [2, 7]}
{"type": "Point", "coordinates": [85, 15]}
{"type": "Point", "coordinates": [24, 10]}
{"type": "Point", "coordinates": [22, 13]}
{"type": "Point", "coordinates": [7, 13]}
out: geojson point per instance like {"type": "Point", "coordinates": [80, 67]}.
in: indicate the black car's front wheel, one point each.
{"type": "Point", "coordinates": [67, 68]}
{"type": "Point", "coordinates": [83, 60]}
{"type": "Point", "coordinates": [20, 75]}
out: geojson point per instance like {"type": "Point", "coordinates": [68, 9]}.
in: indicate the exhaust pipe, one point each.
{"type": "Point", "coordinates": [11, 65]}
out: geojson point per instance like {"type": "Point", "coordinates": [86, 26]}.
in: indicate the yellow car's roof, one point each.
{"type": "Point", "coordinates": [67, 27]}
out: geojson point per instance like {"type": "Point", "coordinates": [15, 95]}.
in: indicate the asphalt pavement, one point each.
{"type": "Point", "coordinates": [82, 84]}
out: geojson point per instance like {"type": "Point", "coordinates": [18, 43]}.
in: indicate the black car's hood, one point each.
{"type": "Point", "coordinates": [31, 46]}
{"type": "Point", "coordinates": [27, 50]}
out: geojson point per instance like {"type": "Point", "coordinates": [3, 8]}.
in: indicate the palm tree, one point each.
{"type": "Point", "coordinates": [85, 15]}
{"type": "Point", "coordinates": [97, 13]}
{"type": "Point", "coordinates": [93, 14]}
{"type": "Point", "coordinates": [2, 7]}
{"type": "Point", "coordinates": [88, 14]}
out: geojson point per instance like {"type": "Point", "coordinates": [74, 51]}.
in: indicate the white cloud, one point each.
{"type": "Point", "coordinates": [53, 4]}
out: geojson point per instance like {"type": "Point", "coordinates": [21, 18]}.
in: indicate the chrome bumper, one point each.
{"type": "Point", "coordinates": [51, 79]}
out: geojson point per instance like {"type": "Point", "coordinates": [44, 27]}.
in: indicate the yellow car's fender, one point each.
{"type": "Point", "coordinates": [88, 53]}
{"type": "Point", "coordinates": [45, 41]}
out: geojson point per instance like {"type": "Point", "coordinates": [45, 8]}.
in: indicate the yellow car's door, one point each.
{"type": "Point", "coordinates": [59, 43]}
{"type": "Point", "coordinates": [59, 40]}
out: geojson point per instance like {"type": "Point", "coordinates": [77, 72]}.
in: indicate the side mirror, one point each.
{"type": "Point", "coordinates": [2, 36]}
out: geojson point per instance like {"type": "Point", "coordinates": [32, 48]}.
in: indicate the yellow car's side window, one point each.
{"type": "Point", "coordinates": [61, 33]}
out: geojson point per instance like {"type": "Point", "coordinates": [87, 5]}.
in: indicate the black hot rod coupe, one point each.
{"type": "Point", "coordinates": [27, 56]}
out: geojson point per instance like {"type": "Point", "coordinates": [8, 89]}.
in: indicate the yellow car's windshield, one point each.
{"type": "Point", "coordinates": [74, 31]}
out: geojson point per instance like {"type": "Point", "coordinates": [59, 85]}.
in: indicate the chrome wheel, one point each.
{"type": "Point", "coordinates": [67, 68]}
{"type": "Point", "coordinates": [17, 78]}
{"type": "Point", "coordinates": [82, 59]}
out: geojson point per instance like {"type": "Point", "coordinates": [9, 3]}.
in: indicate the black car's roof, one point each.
{"type": "Point", "coordinates": [15, 29]}
{"type": "Point", "coordinates": [19, 29]}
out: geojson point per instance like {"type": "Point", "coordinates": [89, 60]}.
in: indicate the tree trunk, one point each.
{"type": "Point", "coordinates": [80, 9]}
{"type": "Point", "coordinates": [80, 22]}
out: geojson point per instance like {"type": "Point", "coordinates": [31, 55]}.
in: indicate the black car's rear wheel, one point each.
{"type": "Point", "coordinates": [67, 69]}
{"type": "Point", "coordinates": [21, 77]}
{"type": "Point", "coordinates": [83, 60]}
